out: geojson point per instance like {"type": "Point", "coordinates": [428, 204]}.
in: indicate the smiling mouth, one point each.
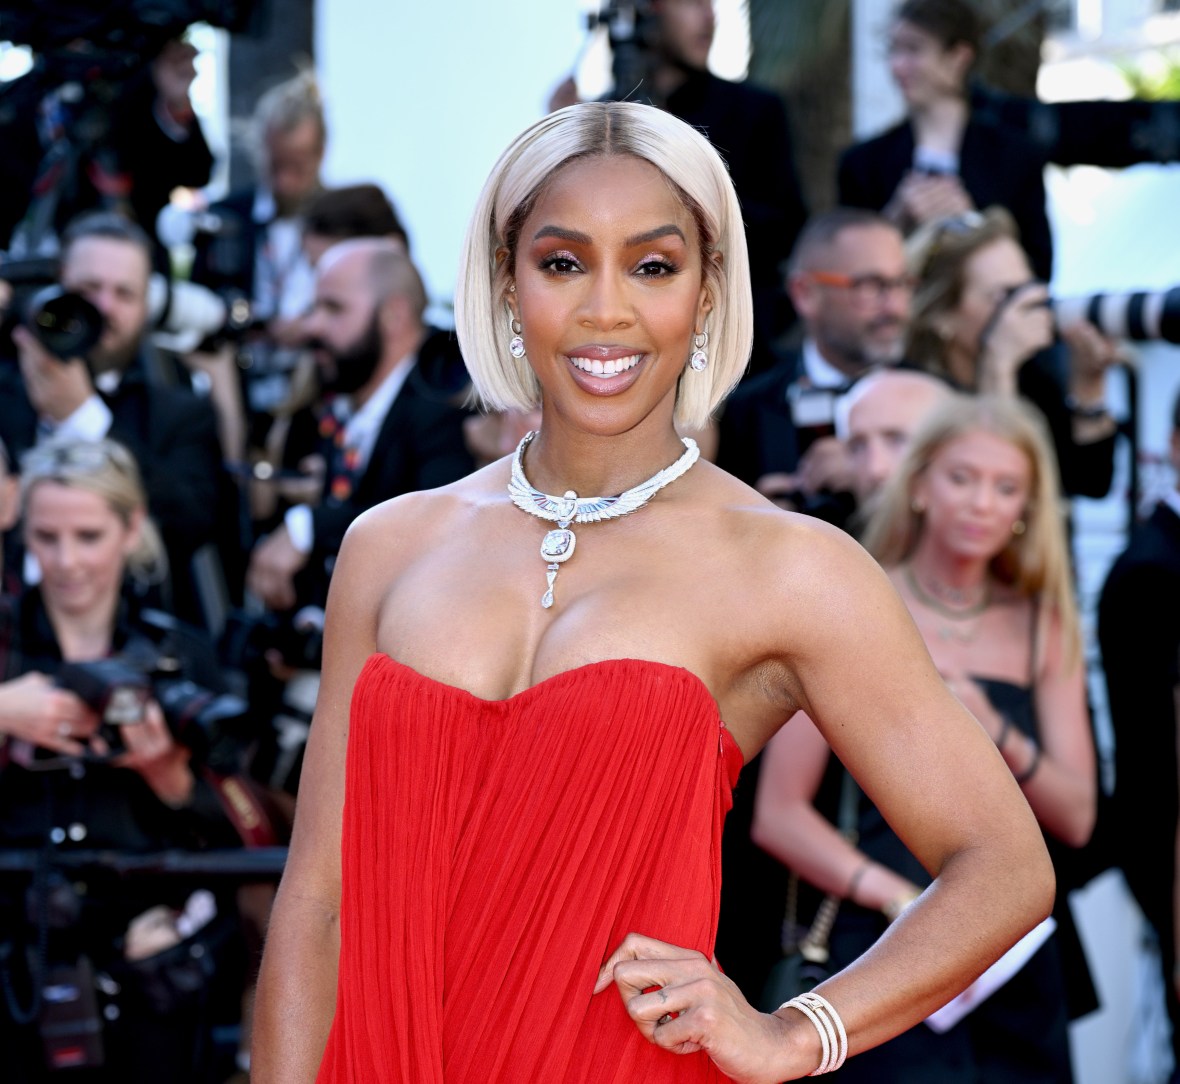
{"type": "Point", "coordinates": [612, 367]}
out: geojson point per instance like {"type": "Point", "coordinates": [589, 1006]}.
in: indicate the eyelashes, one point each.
{"type": "Point", "coordinates": [560, 264]}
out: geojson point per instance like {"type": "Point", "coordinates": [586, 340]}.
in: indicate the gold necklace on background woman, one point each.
{"type": "Point", "coordinates": [952, 609]}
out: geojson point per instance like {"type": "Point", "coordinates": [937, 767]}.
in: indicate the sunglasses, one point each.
{"type": "Point", "coordinates": [52, 460]}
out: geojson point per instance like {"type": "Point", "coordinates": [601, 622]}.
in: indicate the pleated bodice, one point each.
{"type": "Point", "coordinates": [496, 851]}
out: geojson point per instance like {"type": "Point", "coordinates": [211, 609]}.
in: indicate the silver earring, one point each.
{"type": "Point", "coordinates": [699, 361]}
{"type": "Point", "coordinates": [516, 343]}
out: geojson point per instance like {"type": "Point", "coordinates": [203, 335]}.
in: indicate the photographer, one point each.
{"type": "Point", "coordinates": [70, 780]}
{"type": "Point", "coordinates": [123, 141]}
{"type": "Point", "coordinates": [116, 391]}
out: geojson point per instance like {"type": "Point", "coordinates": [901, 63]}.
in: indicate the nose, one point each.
{"type": "Point", "coordinates": [982, 497]}
{"type": "Point", "coordinates": [61, 555]}
{"type": "Point", "coordinates": [606, 303]}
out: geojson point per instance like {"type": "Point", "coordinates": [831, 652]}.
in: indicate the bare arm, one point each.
{"type": "Point", "coordinates": [788, 826]}
{"type": "Point", "coordinates": [854, 662]}
{"type": "Point", "coordinates": [868, 682]}
{"type": "Point", "coordinates": [296, 993]}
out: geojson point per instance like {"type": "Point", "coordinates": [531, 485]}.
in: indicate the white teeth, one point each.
{"type": "Point", "coordinates": [608, 368]}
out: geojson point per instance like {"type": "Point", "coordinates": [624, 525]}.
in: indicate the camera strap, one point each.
{"type": "Point", "coordinates": [242, 806]}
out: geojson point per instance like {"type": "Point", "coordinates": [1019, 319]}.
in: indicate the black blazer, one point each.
{"type": "Point", "coordinates": [997, 165]}
{"type": "Point", "coordinates": [756, 434]}
{"type": "Point", "coordinates": [172, 434]}
{"type": "Point", "coordinates": [420, 446]}
{"type": "Point", "coordinates": [225, 260]}
{"type": "Point", "coordinates": [1139, 635]}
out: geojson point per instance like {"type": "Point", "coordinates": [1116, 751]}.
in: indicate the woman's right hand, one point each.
{"type": "Point", "coordinates": [33, 709]}
{"type": "Point", "coordinates": [922, 198]}
{"type": "Point", "coordinates": [1020, 326]}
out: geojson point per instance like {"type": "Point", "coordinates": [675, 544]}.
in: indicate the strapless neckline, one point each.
{"type": "Point", "coordinates": [495, 852]}
{"type": "Point", "coordinates": [562, 677]}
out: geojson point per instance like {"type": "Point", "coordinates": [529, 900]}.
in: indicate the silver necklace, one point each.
{"type": "Point", "coordinates": [557, 546]}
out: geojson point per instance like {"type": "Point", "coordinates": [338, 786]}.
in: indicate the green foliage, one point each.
{"type": "Point", "coordinates": [1153, 78]}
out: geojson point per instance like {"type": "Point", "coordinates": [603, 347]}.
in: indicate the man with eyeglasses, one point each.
{"type": "Point", "coordinates": [849, 283]}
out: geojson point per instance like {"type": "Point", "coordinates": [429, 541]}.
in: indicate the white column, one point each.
{"type": "Point", "coordinates": [876, 104]}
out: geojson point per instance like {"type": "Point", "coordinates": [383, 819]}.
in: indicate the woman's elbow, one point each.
{"type": "Point", "coordinates": [1079, 825]}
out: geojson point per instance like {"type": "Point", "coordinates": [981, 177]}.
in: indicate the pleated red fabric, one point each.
{"type": "Point", "coordinates": [496, 851]}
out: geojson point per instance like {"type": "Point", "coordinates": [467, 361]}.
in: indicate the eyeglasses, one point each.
{"type": "Point", "coordinates": [865, 290]}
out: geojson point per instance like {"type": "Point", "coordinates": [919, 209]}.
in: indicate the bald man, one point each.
{"type": "Point", "coordinates": [877, 419]}
{"type": "Point", "coordinates": [384, 425]}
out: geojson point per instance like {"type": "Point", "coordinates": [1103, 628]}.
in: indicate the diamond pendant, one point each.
{"type": "Point", "coordinates": [557, 547]}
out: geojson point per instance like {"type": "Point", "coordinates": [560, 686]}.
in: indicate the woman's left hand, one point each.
{"type": "Point", "coordinates": [157, 756]}
{"type": "Point", "coordinates": [690, 1005]}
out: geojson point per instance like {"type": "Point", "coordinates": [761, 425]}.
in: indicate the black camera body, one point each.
{"type": "Point", "coordinates": [214, 725]}
{"type": "Point", "coordinates": [65, 323]}
{"type": "Point", "coordinates": [633, 33]}
{"type": "Point", "coordinates": [119, 34]}
{"type": "Point", "coordinates": [297, 637]}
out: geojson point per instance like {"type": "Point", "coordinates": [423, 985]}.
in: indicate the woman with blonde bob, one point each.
{"type": "Point", "coordinates": [506, 856]}
{"type": "Point", "coordinates": [970, 531]}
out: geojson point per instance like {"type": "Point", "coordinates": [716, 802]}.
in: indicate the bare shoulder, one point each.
{"type": "Point", "coordinates": [805, 605]}
{"type": "Point", "coordinates": [399, 529]}
{"type": "Point", "coordinates": [792, 557]}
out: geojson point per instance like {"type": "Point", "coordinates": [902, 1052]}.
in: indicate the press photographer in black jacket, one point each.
{"type": "Point", "coordinates": [111, 976]}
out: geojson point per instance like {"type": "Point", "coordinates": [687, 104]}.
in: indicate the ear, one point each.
{"type": "Point", "coordinates": [804, 295]}
{"type": "Point", "coordinates": [705, 298]}
{"type": "Point", "coordinates": [9, 502]}
{"type": "Point", "coordinates": [508, 297]}
{"type": "Point", "coordinates": [134, 532]}
{"type": "Point", "coordinates": [962, 56]}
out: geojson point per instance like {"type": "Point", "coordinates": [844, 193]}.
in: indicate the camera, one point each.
{"type": "Point", "coordinates": [213, 725]}
{"type": "Point", "coordinates": [298, 638]}
{"type": "Point", "coordinates": [1140, 316]}
{"type": "Point", "coordinates": [182, 316]}
{"type": "Point", "coordinates": [115, 691]}
{"type": "Point", "coordinates": [65, 323]}
{"type": "Point", "coordinates": [187, 316]}
{"type": "Point", "coordinates": [633, 33]}
{"type": "Point", "coordinates": [117, 35]}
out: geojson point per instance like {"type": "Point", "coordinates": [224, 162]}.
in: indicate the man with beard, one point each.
{"type": "Point", "coordinates": [849, 283]}
{"type": "Point", "coordinates": [387, 423]}
{"type": "Point", "coordinates": [117, 392]}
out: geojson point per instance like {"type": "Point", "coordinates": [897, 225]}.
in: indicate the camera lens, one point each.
{"type": "Point", "coordinates": [67, 325]}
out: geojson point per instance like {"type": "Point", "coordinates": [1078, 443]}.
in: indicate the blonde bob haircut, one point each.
{"type": "Point", "coordinates": [698, 176]}
{"type": "Point", "coordinates": [109, 471]}
{"type": "Point", "coordinates": [1036, 562]}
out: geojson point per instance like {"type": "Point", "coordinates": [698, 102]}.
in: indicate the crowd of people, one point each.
{"type": "Point", "coordinates": [205, 552]}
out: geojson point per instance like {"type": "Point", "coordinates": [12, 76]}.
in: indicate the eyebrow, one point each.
{"type": "Point", "coordinates": [561, 233]}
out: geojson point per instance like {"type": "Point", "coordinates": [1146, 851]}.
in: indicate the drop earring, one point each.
{"type": "Point", "coordinates": [699, 361]}
{"type": "Point", "coordinates": [1019, 527]}
{"type": "Point", "coordinates": [516, 343]}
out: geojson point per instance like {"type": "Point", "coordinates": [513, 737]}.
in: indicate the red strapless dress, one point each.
{"type": "Point", "coordinates": [496, 851]}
